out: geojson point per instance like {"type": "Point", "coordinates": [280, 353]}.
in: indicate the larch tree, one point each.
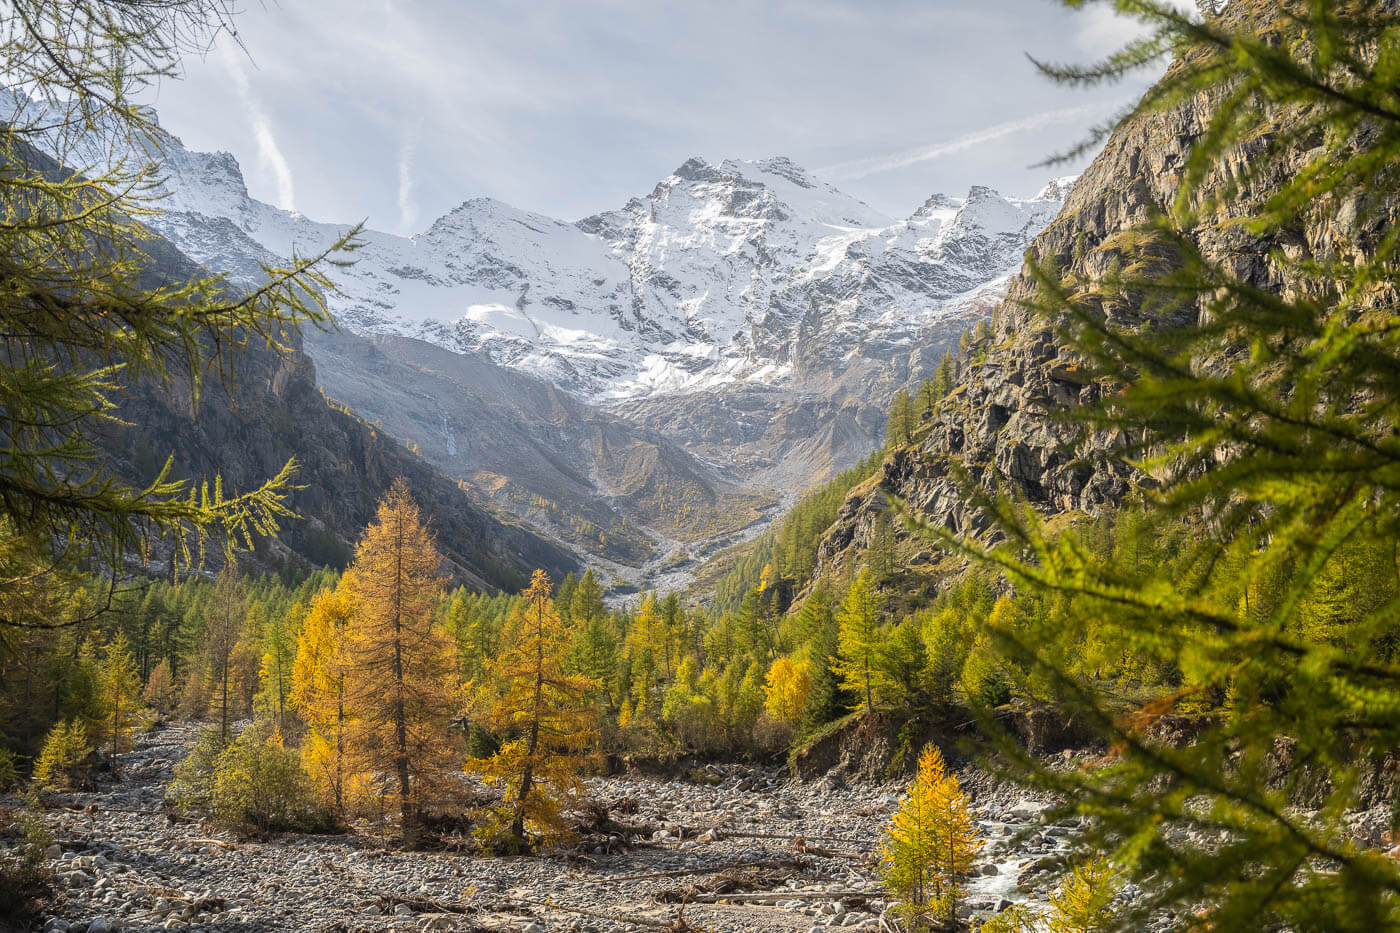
{"type": "Point", "coordinates": [318, 691]}
{"type": "Point", "coordinates": [901, 424]}
{"type": "Point", "coordinates": [786, 689]}
{"type": "Point", "coordinates": [648, 657]}
{"type": "Point", "coordinates": [1242, 345]}
{"type": "Point", "coordinates": [279, 643]}
{"type": "Point", "coordinates": [121, 688]}
{"type": "Point", "coordinates": [858, 642]}
{"type": "Point", "coordinates": [929, 845]}
{"type": "Point", "coordinates": [542, 713]}
{"type": "Point", "coordinates": [223, 631]}
{"type": "Point", "coordinates": [400, 669]}
{"type": "Point", "coordinates": [1083, 901]}
{"type": "Point", "coordinates": [82, 317]}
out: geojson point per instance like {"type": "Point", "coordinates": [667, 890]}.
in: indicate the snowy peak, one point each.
{"type": "Point", "coordinates": [1057, 189]}
{"type": "Point", "coordinates": [725, 273]}
{"type": "Point", "coordinates": [939, 206]}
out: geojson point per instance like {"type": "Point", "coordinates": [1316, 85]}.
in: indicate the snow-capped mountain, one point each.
{"type": "Point", "coordinates": [736, 332]}
{"type": "Point", "coordinates": [725, 274]}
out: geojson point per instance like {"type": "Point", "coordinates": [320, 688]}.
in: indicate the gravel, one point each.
{"type": "Point", "coordinates": [125, 866]}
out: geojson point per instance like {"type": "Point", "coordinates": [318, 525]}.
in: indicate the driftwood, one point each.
{"type": "Point", "coordinates": [208, 842]}
{"type": "Point", "coordinates": [761, 897]}
{"type": "Point", "coordinates": [705, 870]}
{"type": "Point", "coordinates": [723, 883]}
{"type": "Point", "coordinates": [419, 905]}
{"type": "Point", "coordinates": [677, 924]}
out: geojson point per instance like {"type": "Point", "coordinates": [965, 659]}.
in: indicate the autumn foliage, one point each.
{"type": "Point", "coordinates": [543, 716]}
{"type": "Point", "coordinates": [929, 845]}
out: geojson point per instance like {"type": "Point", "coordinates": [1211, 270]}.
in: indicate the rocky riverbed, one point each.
{"type": "Point", "coordinates": [750, 852]}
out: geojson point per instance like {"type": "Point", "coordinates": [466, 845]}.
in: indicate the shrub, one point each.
{"type": "Point", "coordinates": [9, 769]}
{"type": "Point", "coordinates": [25, 882]}
{"type": "Point", "coordinates": [254, 785]}
{"type": "Point", "coordinates": [64, 757]}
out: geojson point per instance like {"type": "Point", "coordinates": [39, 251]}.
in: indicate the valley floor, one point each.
{"type": "Point", "coordinates": [122, 865]}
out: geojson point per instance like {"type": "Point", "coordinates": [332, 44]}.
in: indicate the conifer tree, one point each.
{"type": "Point", "coordinates": [1258, 388]}
{"type": "Point", "coordinates": [82, 316]}
{"type": "Point", "coordinates": [223, 629]}
{"type": "Point", "coordinates": [880, 556]}
{"type": "Point", "coordinates": [541, 712]}
{"type": "Point", "coordinates": [929, 845]}
{"type": "Point", "coordinates": [159, 692]}
{"type": "Point", "coordinates": [400, 669]}
{"type": "Point", "coordinates": [900, 429]}
{"type": "Point", "coordinates": [279, 641]}
{"type": "Point", "coordinates": [121, 686]}
{"type": "Point", "coordinates": [65, 748]}
{"type": "Point", "coordinates": [858, 642]}
{"type": "Point", "coordinates": [786, 689]}
{"type": "Point", "coordinates": [1083, 902]}
{"type": "Point", "coordinates": [318, 691]}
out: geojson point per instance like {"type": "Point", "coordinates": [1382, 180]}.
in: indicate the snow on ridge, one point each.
{"type": "Point", "coordinates": [724, 273]}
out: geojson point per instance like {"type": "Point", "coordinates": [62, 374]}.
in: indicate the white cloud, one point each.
{"type": "Point", "coordinates": [861, 168]}
{"type": "Point", "coordinates": [408, 207]}
{"type": "Point", "coordinates": [270, 156]}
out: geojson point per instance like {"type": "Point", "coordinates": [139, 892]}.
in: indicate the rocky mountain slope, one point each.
{"type": "Point", "coordinates": [272, 410]}
{"type": "Point", "coordinates": [999, 422]}
{"type": "Point", "coordinates": [602, 485]}
{"type": "Point", "coordinates": [739, 329]}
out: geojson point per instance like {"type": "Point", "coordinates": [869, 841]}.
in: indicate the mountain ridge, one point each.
{"type": "Point", "coordinates": [735, 334]}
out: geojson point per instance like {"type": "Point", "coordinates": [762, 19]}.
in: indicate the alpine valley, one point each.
{"type": "Point", "coordinates": [648, 384]}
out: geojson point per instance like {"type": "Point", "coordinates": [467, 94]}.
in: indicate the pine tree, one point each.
{"type": "Point", "coordinates": [400, 669]}
{"type": "Point", "coordinates": [858, 643]}
{"type": "Point", "coordinates": [929, 845]}
{"type": "Point", "coordinates": [542, 713]}
{"type": "Point", "coordinates": [121, 686]}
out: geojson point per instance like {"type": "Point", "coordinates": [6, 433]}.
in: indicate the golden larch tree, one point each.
{"type": "Point", "coordinates": [786, 690]}
{"type": "Point", "coordinates": [1083, 903]}
{"type": "Point", "coordinates": [223, 625]}
{"type": "Point", "coordinates": [318, 691]}
{"type": "Point", "coordinates": [929, 845]}
{"type": "Point", "coordinates": [400, 669]}
{"type": "Point", "coordinates": [543, 715]}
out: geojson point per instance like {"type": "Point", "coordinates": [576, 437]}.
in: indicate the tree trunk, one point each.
{"type": "Point", "coordinates": [517, 826]}
{"type": "Point", "coordinates": [400, 713]}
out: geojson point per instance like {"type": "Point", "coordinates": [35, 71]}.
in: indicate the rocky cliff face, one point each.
{"type": "Point", "coordinates": [272, 410]}
{"type": "Point", "coordinates": [1000, 422]}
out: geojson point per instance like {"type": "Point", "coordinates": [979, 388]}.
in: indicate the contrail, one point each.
{"type": "Point", "coordinates": [408, 208]}
{"type": "Point", "coordinates": [269, 153]}
{"type": "Point", "coordinates": [860, 168]}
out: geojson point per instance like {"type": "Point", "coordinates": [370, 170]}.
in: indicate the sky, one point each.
{"type": "Point", "coordinates": [396, 111]}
